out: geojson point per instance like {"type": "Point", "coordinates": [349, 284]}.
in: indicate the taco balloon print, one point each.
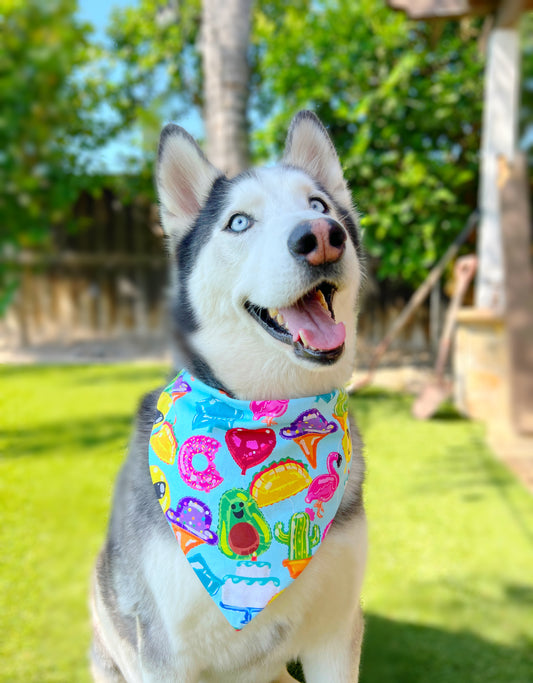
{"type": "Point", "coordinates": [163, 442]}
{"type": "Point", "coordinates": [251, 487]}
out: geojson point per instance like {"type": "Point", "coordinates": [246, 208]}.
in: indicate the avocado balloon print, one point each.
{"type": "Point", "coordinates": [243, 531]}
{"type": "Point", "coordinates": [236, 493]}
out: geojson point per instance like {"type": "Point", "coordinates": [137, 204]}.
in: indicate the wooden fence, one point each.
{"type": "Point", "coordinates": [108, 283]}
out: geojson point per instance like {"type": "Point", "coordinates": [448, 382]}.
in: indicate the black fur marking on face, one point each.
{"type": "Point", "coordinates": [346, 219]}
{"type": "Point", "coordinates": [188, 249]}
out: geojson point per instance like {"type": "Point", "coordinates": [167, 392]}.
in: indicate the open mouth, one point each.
{"type": "Point", "coordinates": [308, 325]}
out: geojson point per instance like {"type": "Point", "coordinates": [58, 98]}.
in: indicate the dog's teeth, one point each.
{"type": "Point", "coordinates": [273, 312]}
{"type": "Point", "coordinates": [306, 343]}
{"type": "Point", "coordinates": [322, 299]}
{"type": "Point", "coordinates": [280, 319]}
{"type": "Point", "coordinates": [304, 340]}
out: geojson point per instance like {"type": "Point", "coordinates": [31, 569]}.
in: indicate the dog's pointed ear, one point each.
{"type": "Point", "coordinates": [184, 178]}
{"type": "Point", "coordinates": [310, 148]}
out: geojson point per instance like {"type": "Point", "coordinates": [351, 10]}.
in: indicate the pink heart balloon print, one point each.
{"type": "Point", "coordinates": [250, 447]}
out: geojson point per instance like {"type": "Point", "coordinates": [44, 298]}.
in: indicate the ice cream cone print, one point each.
{"type": "Point", "coordinates": [346, 440]}
{"type": "Point", "coordinates": [186, 540]}
{"type": "Point", "coordinates": [296, 567]}
{"type": "Point", "coordinates": [341, 415]}
{"type": "Point", "coordinates": [308, 443]}
{"type": "Point", "coordinates": [191, 521]}
{"type": "Point", "coordinates": [307, 430]}
{"type": "Point", "coordinates": [341, 419]}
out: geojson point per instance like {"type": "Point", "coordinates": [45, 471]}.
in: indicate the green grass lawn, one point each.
{"type": "Point", "coordinates": [449, 589]}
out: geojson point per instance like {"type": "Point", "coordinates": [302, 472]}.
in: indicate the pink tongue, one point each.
{"type": "Point", "coordinates": [309, 319]}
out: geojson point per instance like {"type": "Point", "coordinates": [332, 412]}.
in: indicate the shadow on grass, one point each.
{"type": "Point", "coordinates": [477, 476]}
{"type": "Point", "coordinates": [93, 373]}
{"type": "Point", "coordinates": [130, 374]}
{"type": "Point", "coordinates": [364, 400]}
{"type": "Point", "coordinates": [363, 404]}
{"type": "Point", "coordinates": [400, 652]}
{"type": "Point", "coordinates": [78, 435]}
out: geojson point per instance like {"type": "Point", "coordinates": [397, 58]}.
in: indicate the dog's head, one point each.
{"type": "Point", "coordinates": [267, 265]}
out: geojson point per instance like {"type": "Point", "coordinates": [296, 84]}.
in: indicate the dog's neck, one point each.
{"type": "Point", "coordinates": [288, 389]}
{"type": "Point", "coordinates": [279, 380]}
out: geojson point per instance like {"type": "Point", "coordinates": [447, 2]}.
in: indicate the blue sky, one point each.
{"type": "Point", "coordinates": [111, 158]}
{"type": "Point", "coordinates": [98, 12]}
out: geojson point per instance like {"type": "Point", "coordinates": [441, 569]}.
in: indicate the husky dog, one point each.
{"type": "Point", "coordinates": [255, 257]}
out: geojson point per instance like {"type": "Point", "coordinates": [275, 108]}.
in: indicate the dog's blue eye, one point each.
{"type": "Point", "coordinates": [318, 205]}
{"type": "Point", "coordinates": [240, 223]}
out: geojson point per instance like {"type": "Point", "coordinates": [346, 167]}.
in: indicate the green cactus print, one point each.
{"type": "Point", "coordinates": [300, 538]}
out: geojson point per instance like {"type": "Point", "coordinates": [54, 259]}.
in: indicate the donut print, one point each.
{"type": "Point", "coordinates": [198, 475]}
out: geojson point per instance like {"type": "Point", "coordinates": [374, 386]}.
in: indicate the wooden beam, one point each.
{"type": "Point", "coordinates": [508, 11]}
{"type": "Point", "coordinates": [499, 138]}
{"type": "Point", "coordinates": [516, 234]}
{"type": "Point", "coordinates": [433, 9]}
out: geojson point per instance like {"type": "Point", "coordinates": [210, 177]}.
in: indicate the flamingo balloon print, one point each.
{"type": "Point", "coordinates": [324, 486]}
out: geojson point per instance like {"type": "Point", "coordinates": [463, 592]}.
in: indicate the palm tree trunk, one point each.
{"type": "Point", "coordinates": [224, 46]}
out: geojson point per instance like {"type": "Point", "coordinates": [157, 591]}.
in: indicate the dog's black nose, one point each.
{"type": "Point", "coordinates": [318, 241]}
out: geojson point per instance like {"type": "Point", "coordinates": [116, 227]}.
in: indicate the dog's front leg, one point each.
{"type": "Point", "coordinates": [336, 660]}
{"type": "Point", "coordinates": [157, 662]}
{"type": "Point", "coordinates": [151, 673]}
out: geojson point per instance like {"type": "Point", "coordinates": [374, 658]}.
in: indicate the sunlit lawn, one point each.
{"type": "Point", "coordinates": [449, 590]}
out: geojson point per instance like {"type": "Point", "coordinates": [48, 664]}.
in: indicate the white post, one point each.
{"type": "Point", "coordinates": [499, 138]}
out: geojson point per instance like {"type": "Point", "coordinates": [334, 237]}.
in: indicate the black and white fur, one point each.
{"type": "Point", "coordinates": [153, 620]}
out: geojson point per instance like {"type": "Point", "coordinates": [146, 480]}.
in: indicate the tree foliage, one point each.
{"type": "Point", "coordinates": [48, 116]}
{"type": "Point", "coordinates": [52, 89]}
{"type": "Point", "coordinates": [526, 112]}
{"type": "Point", "coordinates": [157, 64]}
{"type": "Point", "coordinates": [401, 99]}
{"type": "Point", "coordinates": [403, 105]}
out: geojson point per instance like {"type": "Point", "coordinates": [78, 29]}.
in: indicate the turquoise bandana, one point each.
{"type": "Point", "coordinates": [249, 488]}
